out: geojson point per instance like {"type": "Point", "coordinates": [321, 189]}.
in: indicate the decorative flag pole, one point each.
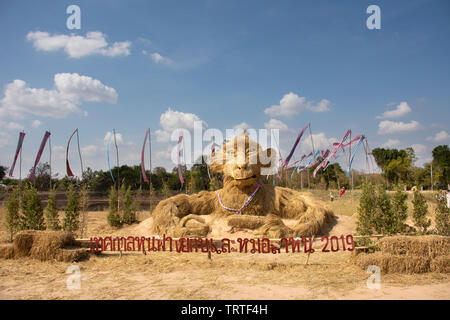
{"type": "Point", "coordinates": [50, 159]}
{"type": "Point", "coordinates": [68, 169]}
{"type": "Point", "coordinates": [79, 153]}
{"type": "Point", "coordinates": [143, 174]}
{"type": "Point", "coordinates": [312, 145]}
{"type": "Point", "coordinates": [180, 172]}
{"type": "Point", "coordinates": [18, 154]}
{"type": "Point", "coordinates": [150, 160]}
{"type": "Point", "coordinates": [18, 151]}
{"type": "Point", "coordinates": [118, 170]}
{"type": "Point", "coordinates": [107, 156]}
{"type": "Point", "coordinates": [38, 157]}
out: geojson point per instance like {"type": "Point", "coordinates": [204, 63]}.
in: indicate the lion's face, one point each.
{"type": "Point", "coordinates": [241, 161]}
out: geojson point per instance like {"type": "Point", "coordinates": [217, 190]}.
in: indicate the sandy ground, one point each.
{"type": "Point", "coordinates": [171, 275]}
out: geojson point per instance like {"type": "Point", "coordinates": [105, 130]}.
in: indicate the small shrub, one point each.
{"type": "Point", "coordinates": [442, 218]}
{"type": "Point", "coordinates": [165, 190]}
{"type": "Point", "coordinates": [12, 219]}
{"type": "Point", "coordinates": [72, 211]}
{"type": "Point", "coordinates": [128, 208]}
{"type": "Point", "coordinates": [420, 211]}
{"type": "Point", "coordinates": [400, 208]}
{"type": "Point", "coordinates": [32, 212]}
{"type": "Point", "coordinates": [51, 212]}
{"type": "Point", "coordinates": [113, 218]}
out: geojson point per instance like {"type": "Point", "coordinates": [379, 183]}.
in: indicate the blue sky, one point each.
{"type": "Point", "coordinates": [225, 63]}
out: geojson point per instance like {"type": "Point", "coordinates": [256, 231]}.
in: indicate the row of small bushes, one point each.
{"type": "Point", "coordinates": [24, 211]}
{"type": "Point", "coordinates": [384, 214]}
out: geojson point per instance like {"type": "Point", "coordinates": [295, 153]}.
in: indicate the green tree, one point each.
{"type": "Point", "coordinates": [129, 211]}
{"type": "Point", "coordinates": [32, 211]}
{"type": "Point", "coordinates": [385, 221]}
{"type": "Point", "coordinates": [72, 211]}
{"type": "Point", "coordinates": [442, 218]}
{"type": "Point", "coordinates": [165, 190]}
{"type": "Point", "coordinates": [113, 218]}
{"type": "Point", "coordinates": [441, 164]}
{"type": "Point", "coordinates": [51, 212]}
{"type": "Point", "coordinates": [399, 208]}
{"type": "Point", "coordinates": [366, 209]}
{"type": "Point", "coordinates": [12, 219]}
{"type": "Point", "coordinates": [420, 210]}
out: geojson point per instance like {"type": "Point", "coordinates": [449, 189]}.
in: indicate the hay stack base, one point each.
{"type": "Point", "coordinates": [408, 254]}
{"type": "Point", "coordinates": [44, 245]}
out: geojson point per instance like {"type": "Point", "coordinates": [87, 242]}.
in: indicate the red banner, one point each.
{"type": "Point", "coordinates": [19, 147]}
{"type": "Point", "coordinates": [69, 171]}
{"type": "Point", "coordinates": [38, 157]}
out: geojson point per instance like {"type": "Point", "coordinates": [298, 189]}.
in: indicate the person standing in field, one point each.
{"type": "Point", "coordinates": [341, 191]}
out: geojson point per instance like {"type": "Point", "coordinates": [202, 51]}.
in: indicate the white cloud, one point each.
{"type": "Point", "coordinates": [292, 104]}
{"type": "Point", "coordinates": [10, 126]}
{"type": "Point", "coordinates": [320, 140]}
{"type": "Point", "coordinates": [402, 109]}
{"type": "Point", "coordinates": [419, 149]}
{"type": "Point", "coordinates": [164, 154]}
{"type": "Point", "coordinates": [36, 124]}
{"type": "Point", "coordinates": [119, 138]}
{"type": "Point", "coordinates": [322, 106]}
{"type": "Point", "coordinates": [91, 150]}
{"type": "Point", "coordinates": [389, 127]}
{"type": "Point", "coordinates": [157, 58]}
{"type": "Point", "coordinates": [440, 137]}
{"type": "Point", "coordinates": [4, 139]}
{"type": "Point", "coordinates": [391, 143]}
{"type": "Point", "coordinates": [172, 120]}
{"type": "Point", "coordinates": [276, 124]}
{"type": "Point", "coordinates": [75, 87]}
{"type": "Point", "coordinates": [71, 90]}
{"type": "Point", "coordinates": [78, 46]}
{"type": "Point", "coordinates": [242, 126]}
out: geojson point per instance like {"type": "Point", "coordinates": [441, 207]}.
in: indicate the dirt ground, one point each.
{"type": "Point", "coordinates": [171, 275]}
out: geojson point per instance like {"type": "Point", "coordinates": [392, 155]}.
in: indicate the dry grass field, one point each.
{"type": "Point", "coordinates": [171, 275]}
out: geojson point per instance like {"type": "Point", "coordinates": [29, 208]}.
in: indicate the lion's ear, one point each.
{"type": "Point", "coordinates": [216, 165]}
{"type": "Point", "coordinates": [267, 158]}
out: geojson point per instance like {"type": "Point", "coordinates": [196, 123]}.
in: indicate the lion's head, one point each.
{"type": "Point", "coordinates": [241, 161]}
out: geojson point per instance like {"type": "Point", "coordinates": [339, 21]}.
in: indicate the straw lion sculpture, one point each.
{"type": "Point", "coordinates": [263, 206]}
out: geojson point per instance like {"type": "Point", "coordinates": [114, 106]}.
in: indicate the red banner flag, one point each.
{"type": "Point", "coordinates": [69, 171]}
{"type": "Point", "coordinates": [38, 157]}
{"type": "Point", "coordinates": [19, 147]}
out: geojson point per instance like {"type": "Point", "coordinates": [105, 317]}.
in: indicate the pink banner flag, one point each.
{"type": "Point", "coordinates": [38, 157]}
{"type": "Point", "coordinates": [19, 147]}
{"type": "Point", "coordinates": [288, 158]}
{"type": "Point", "coordinates": [144, 175]}
{"type": "Point", "coordinates": [324, 163]}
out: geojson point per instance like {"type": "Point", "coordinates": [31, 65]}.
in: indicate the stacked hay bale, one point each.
{"type": "Point", "coordinates": [409, 254]}
{"type": "Point", "coordinates": [44, 245]}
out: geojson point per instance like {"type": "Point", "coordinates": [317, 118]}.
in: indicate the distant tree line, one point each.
{"type": "Point", "coordinates": [397, 166]}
